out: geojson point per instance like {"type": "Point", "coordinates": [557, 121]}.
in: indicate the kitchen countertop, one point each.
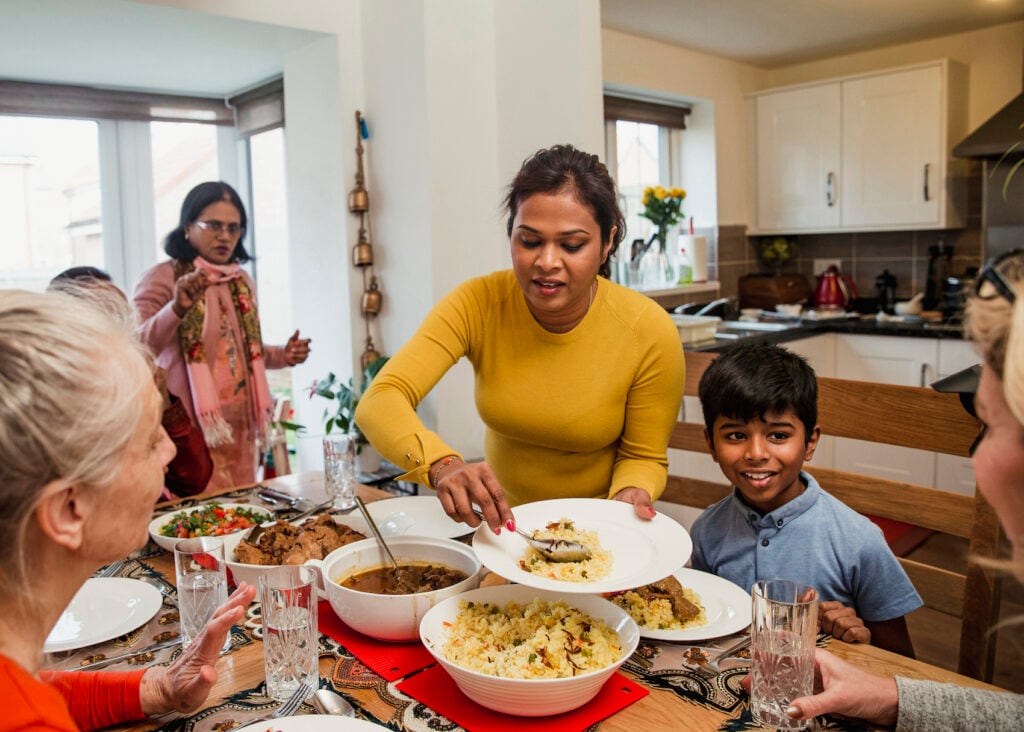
{"type": "Point", "coordinates": [864, 325]}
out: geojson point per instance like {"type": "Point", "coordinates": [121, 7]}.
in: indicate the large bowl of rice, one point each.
{"type": "Point", "coordinates": [529, 652]}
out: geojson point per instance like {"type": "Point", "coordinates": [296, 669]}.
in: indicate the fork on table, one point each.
{"type": "Point", "coordinates": [289, 706]}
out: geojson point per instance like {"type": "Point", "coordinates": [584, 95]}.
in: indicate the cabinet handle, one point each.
{"type": "Point", "coordinates": [830, 198]}
{"type": "Point", "coordinates": [924, 373]}
{"type": "Point", "coordinates": [927, 169]}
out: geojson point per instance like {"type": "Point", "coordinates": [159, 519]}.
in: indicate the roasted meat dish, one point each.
{"type": "Point", "coordinates": [285, 543]}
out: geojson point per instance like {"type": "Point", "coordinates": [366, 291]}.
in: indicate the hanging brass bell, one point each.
{"type": "Point", "coordinates": [369, 355]}
{"type": "Point", "coordinates": [372, 299]}
{"type": "Point", "coordinates": [362, 253]}
{"type": "Point", "coordinates": [358, 199]}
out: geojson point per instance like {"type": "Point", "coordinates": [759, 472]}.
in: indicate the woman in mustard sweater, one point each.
{"type": "Point", "coordinates": [578, 380]}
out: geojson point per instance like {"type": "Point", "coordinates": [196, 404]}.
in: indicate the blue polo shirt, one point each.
{"type": "Point", "coordinates": [815, 539]}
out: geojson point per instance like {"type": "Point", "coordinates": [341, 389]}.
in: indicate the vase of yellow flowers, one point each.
{"type": "Point", "coordinates": [663, 207]}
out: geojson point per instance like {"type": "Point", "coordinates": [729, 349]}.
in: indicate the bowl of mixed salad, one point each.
{"type": "Point", "coordinates": [228, 520]}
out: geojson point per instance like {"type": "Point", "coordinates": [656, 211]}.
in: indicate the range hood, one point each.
{"type": "Point", "coordinates": [1004, 130]}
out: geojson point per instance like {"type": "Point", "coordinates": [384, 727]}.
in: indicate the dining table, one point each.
{"type": "Point", "coordinates": [672, 687]}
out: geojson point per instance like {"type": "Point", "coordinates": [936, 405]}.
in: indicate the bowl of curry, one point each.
{"type": "Point", "coordinates": [371, 597]}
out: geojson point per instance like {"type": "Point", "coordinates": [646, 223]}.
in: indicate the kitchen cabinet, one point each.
{"type": "Point", "coordinates": [862, 153]}
{"type": "Point", "coordinates": [906, 362]}
{"type": "Point", "coordinates": [798, 159]}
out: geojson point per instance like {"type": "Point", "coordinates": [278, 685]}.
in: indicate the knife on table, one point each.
{"type": "Point", "coordinates": [103, 663]}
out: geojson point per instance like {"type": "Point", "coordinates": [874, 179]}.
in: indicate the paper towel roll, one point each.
{"type": "Point", "coordinates": [697, 249]}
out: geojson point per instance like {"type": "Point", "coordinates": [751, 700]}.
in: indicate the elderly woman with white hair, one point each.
{"type": "Point", "coordinates": [82, 456]}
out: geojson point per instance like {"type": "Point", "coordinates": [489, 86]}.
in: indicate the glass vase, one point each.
{"type": "Point", "coordinates": [658, 269]}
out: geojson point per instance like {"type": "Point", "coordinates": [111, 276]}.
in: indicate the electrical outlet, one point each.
{"type": "Point", "coordinates": [820, 265]}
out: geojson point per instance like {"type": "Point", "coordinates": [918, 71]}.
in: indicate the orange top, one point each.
{"type": "Point", "coordinates": [67, 700]}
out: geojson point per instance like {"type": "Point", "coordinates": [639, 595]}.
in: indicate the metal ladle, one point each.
{"type": "Point", "coordinates": [326, 701]}
{"type": "Point", "coordinates": [383, 544]}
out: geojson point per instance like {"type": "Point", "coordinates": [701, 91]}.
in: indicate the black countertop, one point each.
{"type": "Point", "coordinates": [865, 325]}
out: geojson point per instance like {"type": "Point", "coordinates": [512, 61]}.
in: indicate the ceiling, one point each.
{"type": "Point", "coordinates": [123, 44]}
{"type": "Point", "coordinates": [774, 33]}
{"type": "Point", "coordinates": [126, 45]}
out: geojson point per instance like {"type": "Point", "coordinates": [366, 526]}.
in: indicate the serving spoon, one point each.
{"type": "Point", "coordinates": [399, 575]}
{"type": "Point", "coordinates": [554, 550]}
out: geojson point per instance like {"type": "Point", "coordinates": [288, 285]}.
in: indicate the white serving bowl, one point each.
{"type": "Point", "coordinates": [230, 540]}
{"type": "Point", "coordinates": [393, 617]}
{"type": "Point", "coordinates": [251, 573]}
{"type": "Point", "coordinates": [528, 697]}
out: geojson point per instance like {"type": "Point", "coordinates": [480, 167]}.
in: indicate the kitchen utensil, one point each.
{"type": "Point", "coordinates": [729, 652]}
{"type": "Point", "coordinates": [288, 707]}
{"type": "Point", "coordinates": [326, 701]}
{"type": "Point", "coordinates": [885, 283]}
{"type": "Point", "coordinates": [376, 532]}
{"type": "Point", "coordinates": [103, 663]}
{"type": "Point", "coordinates": [834, 290]}
{"type": "Point", "coordinates": [554, 550]}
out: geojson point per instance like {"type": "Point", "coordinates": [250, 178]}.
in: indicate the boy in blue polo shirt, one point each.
{"type": "Point", "coordinates": [760, 407]}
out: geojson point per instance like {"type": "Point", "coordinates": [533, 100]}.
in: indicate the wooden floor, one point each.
{"type": "Point", "coordinates": [936, 636]}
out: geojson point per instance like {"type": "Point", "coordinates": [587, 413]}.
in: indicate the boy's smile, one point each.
{"type": "Point", "coordinates": [763, 457]}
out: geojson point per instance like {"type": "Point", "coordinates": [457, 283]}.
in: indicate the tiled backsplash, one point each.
{"type": "Point", "coordinates": [863, 255]}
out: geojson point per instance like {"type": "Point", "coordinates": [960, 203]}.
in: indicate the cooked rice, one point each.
{"type": "Point", "coordinates": [597, 567]}
{"type": "Point", "coordinates": [539, 640]}
{"type": "Point", "coordinates": [656, 614]}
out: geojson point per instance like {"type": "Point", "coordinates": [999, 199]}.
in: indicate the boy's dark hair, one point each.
{"type": "Point", "coordinates": [752, 379]}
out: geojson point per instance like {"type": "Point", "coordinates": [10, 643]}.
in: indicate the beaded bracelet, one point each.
{"type": "Point", "coordinates": [445, 462]}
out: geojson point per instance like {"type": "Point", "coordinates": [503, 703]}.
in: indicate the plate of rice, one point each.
{"type": "Point", "coordinates": [692, 605]}
{"type": "Point", "coordinates": [528, 652]}
{"type": "Point", "coordinates": [627, 551]}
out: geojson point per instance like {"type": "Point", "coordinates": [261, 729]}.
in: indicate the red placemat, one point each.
{"type": "Point", "coordinates": [387, 659]}
{"type": "Point", "coordinates": [435, 688]}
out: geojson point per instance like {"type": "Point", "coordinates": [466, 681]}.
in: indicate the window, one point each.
{"type": "Point", "coordinates": [49, 199]}
{"type": "Point", "coordinates": [96, 177]}
{"type": "Point", "coordinates": [643, 147]}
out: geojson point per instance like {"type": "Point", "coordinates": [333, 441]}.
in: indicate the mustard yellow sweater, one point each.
{"type": "Point", "coordinates": [580, 414]}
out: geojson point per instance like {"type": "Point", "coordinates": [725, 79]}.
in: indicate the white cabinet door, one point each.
{"type": "Point", "coordinates": [954, 473]}
{"type": "Point", "coordinates": [892, 150]}
{"type": "Point", "coordinates": [798, 159]}
{"type": "Point", "coordinates": [886, 360]}
{"type": "Point", "coordinates": [820, 352]}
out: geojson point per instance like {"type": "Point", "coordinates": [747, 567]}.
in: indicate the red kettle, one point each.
{"type": "Point", "coordinates": [834, 290]}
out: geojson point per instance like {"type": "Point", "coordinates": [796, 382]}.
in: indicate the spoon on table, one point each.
{"type": "Point", "coordinates": [326, 701]}
{"type": "Point", "coordinates": [554, 550]}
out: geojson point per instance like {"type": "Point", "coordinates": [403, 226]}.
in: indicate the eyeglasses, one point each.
{"type": "Point", "coordinates": [216, 227]}
{"type": "Point", "coordinates": [995, 274]}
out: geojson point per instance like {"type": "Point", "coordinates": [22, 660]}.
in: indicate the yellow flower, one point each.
{"type": "Point", "coordinates": [660, 193]}
{"type": "Point", "coordinates": [677, 193]}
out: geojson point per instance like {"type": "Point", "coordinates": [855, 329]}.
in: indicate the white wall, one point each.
{"type": "Point", "coordinates": [993, 57]}
{"type": "Point", "coordinates": [456, 93]}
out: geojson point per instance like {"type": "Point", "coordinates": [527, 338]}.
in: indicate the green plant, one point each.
{"type": "Point", "coordinates": [345, 397]}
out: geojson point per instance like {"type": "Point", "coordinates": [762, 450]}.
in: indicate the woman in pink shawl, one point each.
{"type": "Point", "coordinates": [199, 316]}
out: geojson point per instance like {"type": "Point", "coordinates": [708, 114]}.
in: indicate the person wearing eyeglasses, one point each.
{"type": "Point", "coordinates": [995, 322]}
{"type": "Point", "coordinates": [199, 315]}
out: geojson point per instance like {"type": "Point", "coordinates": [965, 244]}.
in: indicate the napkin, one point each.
{"type": "Point", "coordinates": [387, 659]}
{"type": "Point", "coordinates": [435, 688]}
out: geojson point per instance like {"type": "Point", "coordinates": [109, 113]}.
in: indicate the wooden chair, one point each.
{"type": "Point", "coordinates": [895, 415]}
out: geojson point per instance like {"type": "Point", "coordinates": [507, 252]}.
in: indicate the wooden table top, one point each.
{"type": "Point", "coordinates": [242, 668]}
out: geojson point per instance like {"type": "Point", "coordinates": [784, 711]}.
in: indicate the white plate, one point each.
{"type": "Point", "coordinates": [230, 540]}
{"type": "Point", "coordinates": [415, 516]}
{"type": "Point", "coordinates": [642, 551]}
{"type": "Point", "coordinates": [726, 605]}
{"type": "Point", "coordinates": [318, 723]}
{"type": "Point", "coordinates": [103, 608]}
